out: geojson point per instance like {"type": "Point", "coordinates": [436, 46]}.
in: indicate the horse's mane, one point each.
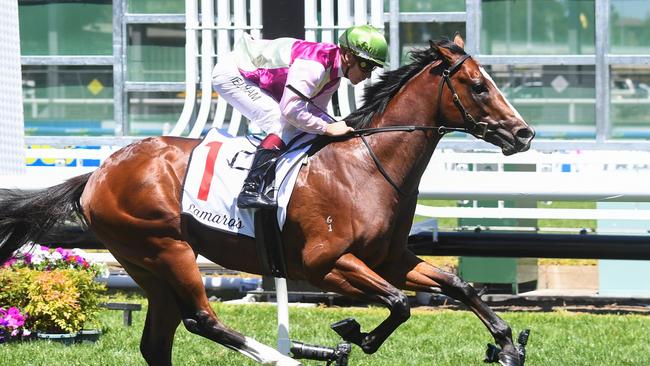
{"type": "Point", "coordinates": [377, 95]}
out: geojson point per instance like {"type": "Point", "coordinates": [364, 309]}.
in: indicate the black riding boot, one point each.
{"type": "Point", "coordinates": [261, 175]}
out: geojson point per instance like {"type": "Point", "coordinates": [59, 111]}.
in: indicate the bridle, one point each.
{"type": "Point", "coordinates": [471, 126]}
{"type": "Point", "coordinates": [477, 129]}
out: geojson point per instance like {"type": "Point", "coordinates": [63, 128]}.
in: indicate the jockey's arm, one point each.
{"type": "Point", "coordinates": [306, 76]}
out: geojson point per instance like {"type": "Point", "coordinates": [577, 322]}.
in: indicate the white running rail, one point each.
{"type": "Point", "coordinates": [231, 21]}
{"type": "Point", "coordinates": [602, 176]}
{"type": "Point", "coordinates": [191, 72]}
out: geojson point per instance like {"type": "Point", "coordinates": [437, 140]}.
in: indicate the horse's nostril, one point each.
{"type": "Point", "coordinates": [526, 133]}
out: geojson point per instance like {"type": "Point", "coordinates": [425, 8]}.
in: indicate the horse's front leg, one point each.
{"type": "Point", "coordinates": [412, 273]}
{"type": "Point", "coordinates": [352, 277]}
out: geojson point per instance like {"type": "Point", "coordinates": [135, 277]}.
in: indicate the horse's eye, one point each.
{"type": "Point", "coordinates": [479, 88]}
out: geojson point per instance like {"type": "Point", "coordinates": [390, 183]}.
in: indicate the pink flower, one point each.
{"type": "Point", "coordinates": [11, 322]}
{"type": "Point", "coordinates": [10, 262]}
{"type": "Point", "coordinates": [14, 318]}
{"type": "Point", "coordinates": [65, 253]}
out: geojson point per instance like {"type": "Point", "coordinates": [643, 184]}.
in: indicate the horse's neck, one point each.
{"type": "Point", "coordinates": [405, 155]}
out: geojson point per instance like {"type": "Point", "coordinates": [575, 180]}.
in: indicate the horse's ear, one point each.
{"type": "Point", "coordinates": [433, 46]}
{"type": "Point", "coordinates": [441, 53]}
{"type": "Point", "coordinates": [435, 50]}
{"type": "Point", "coordinates": [458, 40]}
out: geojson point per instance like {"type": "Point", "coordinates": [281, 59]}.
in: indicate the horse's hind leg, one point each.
{"type": "Point", "coordinates": [163, 315]}
{"type": "Point", "coordinates": [412, 273]}
{"type": "Point", "coordinates": [176, 264]}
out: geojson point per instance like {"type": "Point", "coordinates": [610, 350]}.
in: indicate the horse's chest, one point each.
{"type": "Point", "coordinates": [390, 243]}
{"type": "Point", "coordinates": [382, 248]}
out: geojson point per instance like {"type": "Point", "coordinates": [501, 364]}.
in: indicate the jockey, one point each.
{"type": "Point", "coordinates": [253, 79]}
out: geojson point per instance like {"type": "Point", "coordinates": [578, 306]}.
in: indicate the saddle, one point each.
{"type": "Point", "coordinates": [215, 174]}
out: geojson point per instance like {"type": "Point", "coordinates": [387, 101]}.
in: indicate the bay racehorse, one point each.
{"type": "Point", "coordinates": [347, 223]}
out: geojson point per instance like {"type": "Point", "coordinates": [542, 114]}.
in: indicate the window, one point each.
{"type": "Point", "coordinates": [558, 100]}
{"type": "Point", "coordinates": [156, 52]}
{"type": "Point", "coordinates": [156, 6]}
{"type": "Point", "coordinates": [630, 102]}
{"type": "Point", "coordinates": [540, 27]}
{"type": "Point", "coordinates": [68, 100]}
{"type": "Point", "coordinates": [66, 28]}
{"type": "Point", "coordinates": [417, 35]}
{"type": "Point", "coordinates": [429, 5]}
{"type": "Point", "coordinates": [629, 27]}
{"type": "Point", "coordinates": [153, 113]}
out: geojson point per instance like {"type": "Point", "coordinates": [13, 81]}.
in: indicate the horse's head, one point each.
{"type": "Point", "coordinates": [479, 107]}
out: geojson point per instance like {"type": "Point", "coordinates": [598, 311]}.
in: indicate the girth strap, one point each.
{"type": "Point", "coordinates": [270, 251]}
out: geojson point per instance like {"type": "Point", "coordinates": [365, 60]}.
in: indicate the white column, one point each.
{"type": "Point", "coordinates": [191, 66]}
{"type": "Point", "coordinates": [282, 298]}
{"type": "Point", "coordinates": [12, 140]}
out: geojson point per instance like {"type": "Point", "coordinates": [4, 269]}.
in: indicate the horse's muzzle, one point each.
{"type": "Point", "coordinates": [523, 137]}
{"type": "Point", "coordinates": [511, 140]}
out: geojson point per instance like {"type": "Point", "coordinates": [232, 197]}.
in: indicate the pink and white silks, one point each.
{"type": "Point", "coordinates": [252, 78]}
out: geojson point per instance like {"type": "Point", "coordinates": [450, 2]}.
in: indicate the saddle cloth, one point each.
{"type": "Point", "coordinates": [216, 173]}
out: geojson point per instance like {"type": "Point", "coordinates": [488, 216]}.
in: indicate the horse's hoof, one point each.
{"type": "Point", "coordinates": [492, 353]}
{"type": "Point", "coordinates": [369, 344]}
{"type": "Point", "coordinates": [349, 330]}
{"type": "Point", "coordinates": [506, 359]}
{"type": "Point", "coordinates": [521, 348]}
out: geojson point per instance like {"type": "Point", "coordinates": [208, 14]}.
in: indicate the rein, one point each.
{"type": "Point", "coordinates": [478, 129]}
{"type": "Point", "coordinates": [440, 130]}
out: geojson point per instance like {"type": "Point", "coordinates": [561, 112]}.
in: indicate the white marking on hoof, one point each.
{"type": "Point", "coordinates": [266, 355]}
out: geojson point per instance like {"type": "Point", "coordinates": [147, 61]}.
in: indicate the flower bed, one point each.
{"type": "Point", "coordinates": [48, 291]}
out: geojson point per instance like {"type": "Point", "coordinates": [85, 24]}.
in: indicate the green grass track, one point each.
{"type": "Point", "coordinates": [430, 337]}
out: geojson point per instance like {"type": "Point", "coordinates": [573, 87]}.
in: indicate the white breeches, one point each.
{"type": "Point", "coordinates": [254, 103]}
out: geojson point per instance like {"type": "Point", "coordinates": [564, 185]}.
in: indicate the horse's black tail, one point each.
{"type": "Point", "coordinates": [26, 216]}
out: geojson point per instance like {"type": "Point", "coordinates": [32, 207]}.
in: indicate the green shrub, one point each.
{"type": "Point", "coordinates": [61, 300]}
{"type": "Point", "coordinates": [14, 283]}
{"type": "Point", "coordinates": [59, 295]}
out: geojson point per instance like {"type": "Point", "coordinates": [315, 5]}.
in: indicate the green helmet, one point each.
{"type": "Point", "coordinates": [367, 42]}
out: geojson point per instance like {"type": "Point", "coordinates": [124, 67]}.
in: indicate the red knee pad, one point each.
{"type": "Point", "coordinates": [272, 142]}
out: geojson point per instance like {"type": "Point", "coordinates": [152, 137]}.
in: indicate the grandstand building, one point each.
{"type": "Point", "coordinates": [576, 69]}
